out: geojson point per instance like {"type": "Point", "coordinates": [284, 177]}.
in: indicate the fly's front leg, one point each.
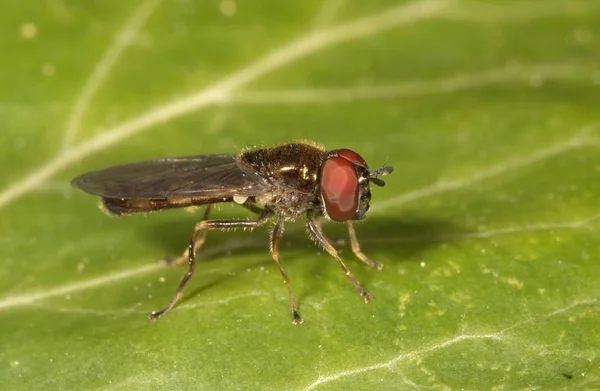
{"type": "Point", "coordinates": [337, 243]}
{"type": "Point", "coordinates": [197, 244]}
{"type": "Point", "coordinates": [201, 228]}
{"type": "Point", "coordinates": [318, 235]}
{"type": "Point", "coordinates": [276, 234]}
{"type": "Point", "coordinates": [356, 248]}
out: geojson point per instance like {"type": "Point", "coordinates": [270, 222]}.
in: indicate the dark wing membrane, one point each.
{"type": "Point", "coordinates": [205, 177]}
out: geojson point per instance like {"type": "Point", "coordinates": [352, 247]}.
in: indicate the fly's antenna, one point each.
{"type": "Point", "coordinates": [380, 171]}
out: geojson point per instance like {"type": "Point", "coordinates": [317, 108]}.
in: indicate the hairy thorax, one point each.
{"type": "Point", "coordinates": [293, 170]}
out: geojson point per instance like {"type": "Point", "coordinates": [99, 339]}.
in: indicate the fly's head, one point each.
{"type": "Point", "coordinates": [345, 185]}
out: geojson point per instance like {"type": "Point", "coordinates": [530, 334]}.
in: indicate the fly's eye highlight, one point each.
{"type": "Point", "coordinates": [339, 184]}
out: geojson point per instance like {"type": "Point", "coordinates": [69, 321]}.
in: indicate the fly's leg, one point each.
{"type": "Point", "coordinates": [201, 228]}
{"type": "Point", "coordinates": [199, 241]}
{"type": "Point", "coordinates": [338, 242]}
{"type": "Point", "coordinates": [276, 234]}
{"type": "Point", "coordinates": [317, 234]}
{"type": "Point", "coordinates": [254, 208]}
{"type": "Point", "coordinates": [356, 249]}
{"type": "Point", "coordinates": [202, 235]}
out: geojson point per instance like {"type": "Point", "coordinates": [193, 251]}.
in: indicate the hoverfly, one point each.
{"type": "Point", "coordinates": [280, 183]}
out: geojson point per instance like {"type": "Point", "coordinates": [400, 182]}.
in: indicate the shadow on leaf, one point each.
{"type": "Point", "coordinates": [395, 238]}
{"type": "Point", "coordinates": [403, 236]}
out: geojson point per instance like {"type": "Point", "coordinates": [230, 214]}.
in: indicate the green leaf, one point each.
{"type": "Point", "coordinates": [488, 227]}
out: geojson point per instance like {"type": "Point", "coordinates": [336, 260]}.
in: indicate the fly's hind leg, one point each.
{"type": "Point", "coordinates": [200, 232]}
{"type": "Point", "coordinates": [202, 235]}
{"type": "Point", "coordinates": [276, 234]}
{"type": "Point", "coordinates": [199, 241]}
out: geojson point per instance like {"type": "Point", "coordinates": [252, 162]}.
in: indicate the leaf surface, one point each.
{"type": "Point", "coordinates": [488, 227]}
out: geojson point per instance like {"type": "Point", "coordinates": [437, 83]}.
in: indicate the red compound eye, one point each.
{"type": "Point", "coordinates": [339, 184]}
{"type": "Point", "coordinates": [352, 156]}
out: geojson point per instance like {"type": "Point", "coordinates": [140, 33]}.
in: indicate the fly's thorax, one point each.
{"type": "Point", "coordinates": [296, 166]}
{"type": "Point", "coordinates": [287, 202]}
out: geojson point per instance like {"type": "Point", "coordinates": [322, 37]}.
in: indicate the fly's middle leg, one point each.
{"type": "Point", "coordinates": [276, 234]}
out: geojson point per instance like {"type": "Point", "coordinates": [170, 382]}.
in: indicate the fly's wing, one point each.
{"type": "Point", "coordinates": [171, 183]}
